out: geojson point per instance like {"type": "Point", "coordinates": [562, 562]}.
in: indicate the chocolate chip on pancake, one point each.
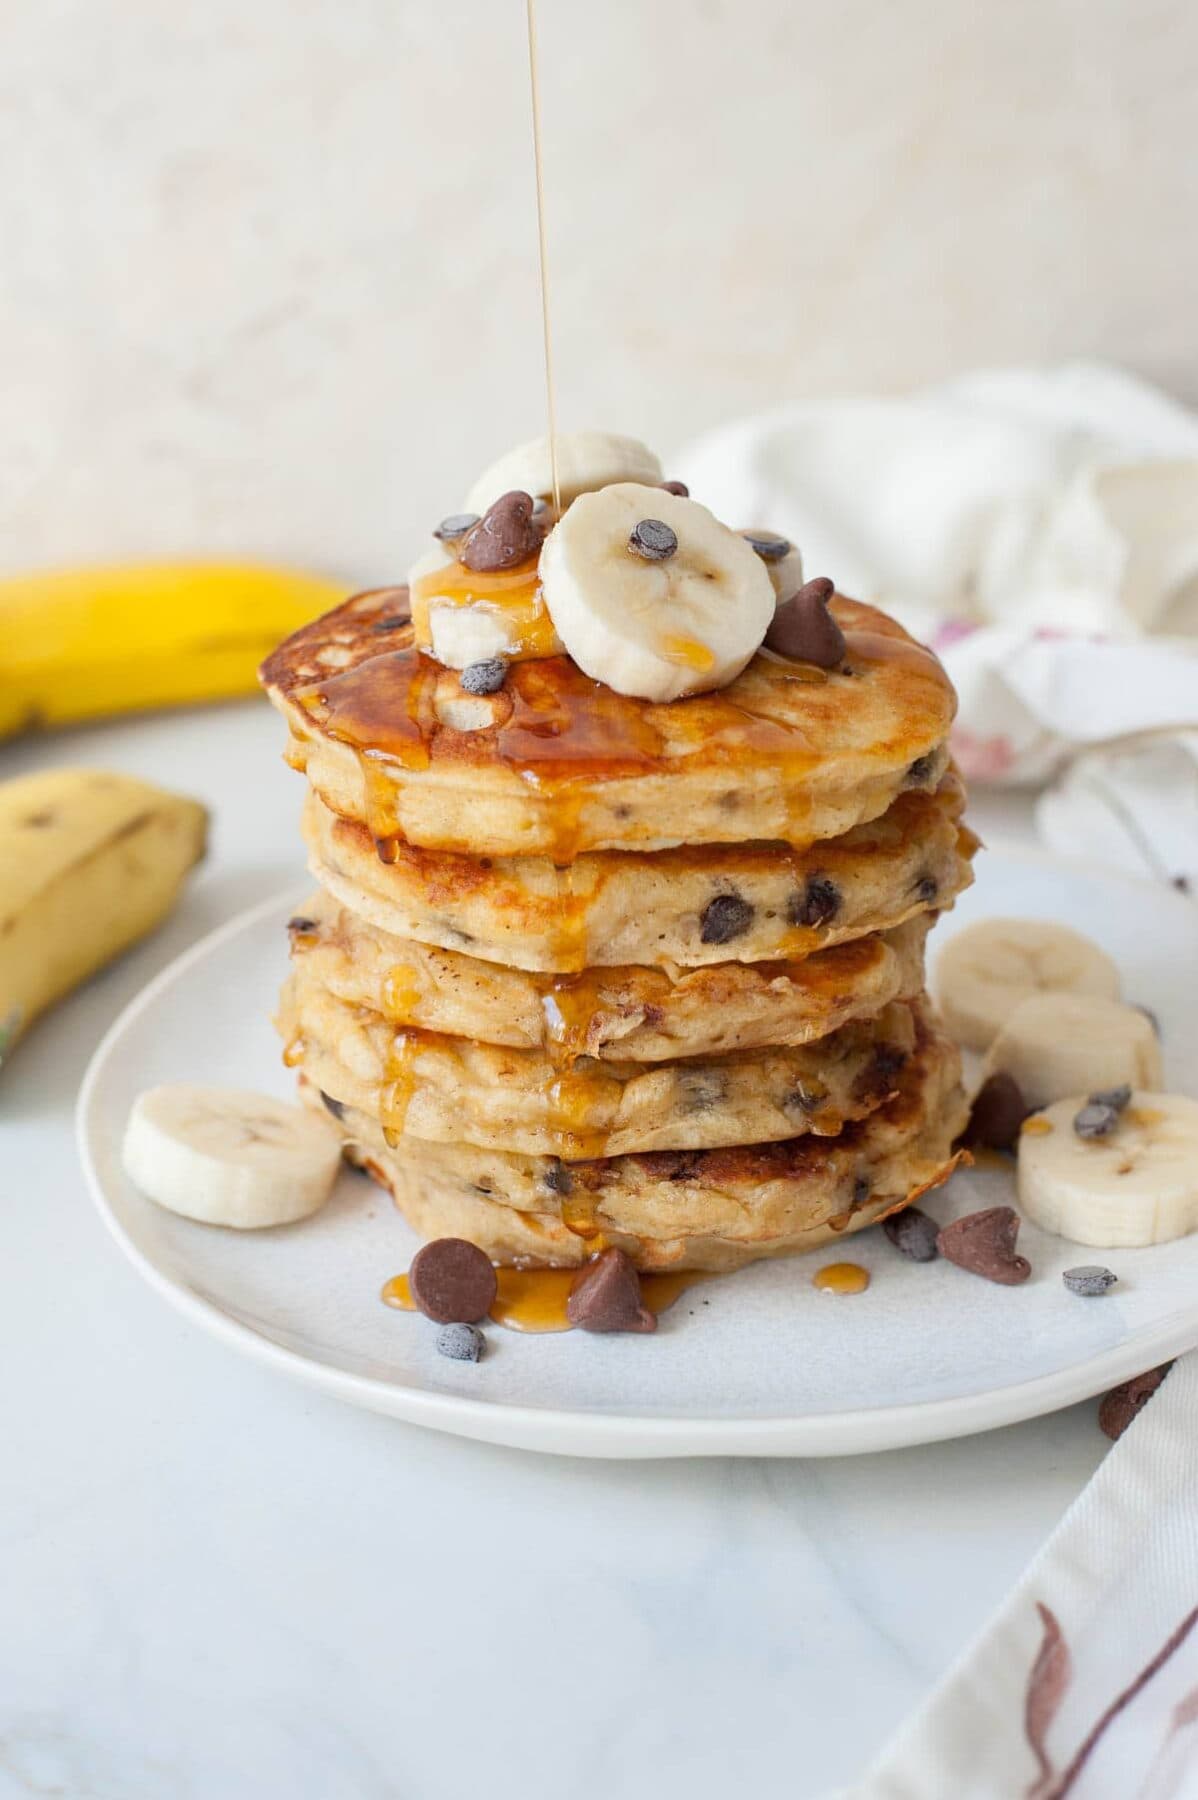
{"type": "Point", "coordinates": [984, 1243]}
{"type": "Point", "coordinates": [804, 630]}
{"type": "Point", "coordinates": [484, 677]}
{"type": "Point", "coordinates": [817, 904]}
{"type": "Point", "coordinates": [606, 1296]}
{"type": "Point", "coordinates": [726, 917]}
{"type": "Point", "coordinates": [452, 1281]}
{"type": "Point", "coordinates": [505, 536]}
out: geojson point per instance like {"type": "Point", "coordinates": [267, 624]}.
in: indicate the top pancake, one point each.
{"type": "Point", "coordinates": [556, 764]}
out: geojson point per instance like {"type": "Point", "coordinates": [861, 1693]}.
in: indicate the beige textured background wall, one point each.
{"type": "Point", "coordinates": [269, 268]}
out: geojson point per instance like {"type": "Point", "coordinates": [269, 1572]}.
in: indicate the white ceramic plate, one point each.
{"type": "Point", "coordinates": [759, 1363]}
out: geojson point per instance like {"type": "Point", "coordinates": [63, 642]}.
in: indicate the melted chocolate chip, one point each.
{"type": "Point", "coordinates": [984, 1243]}
{"type": "Point", "coordinates": [455, 526]}
{"type": "Point", "coordinates": [819, 902]}
{"type": "Point", "coordinates": [926, 889]}
{"type": "Point", "coordinates": [504, 537]}
{"type": "Point", "coordinates": [921, 769]}
{"type": "Point", "coordinates": [653, 539]}
{"type": "Point", "coordinates": [804, 630]}
{"type": "Point", "coordinates": [770, 547]}
{"type": "Point", "coordinates": [558, 1178]}
{"type": "Point", "coordinates": [726, 917]}
{"type": "Point", "coordinates": [861, 1190]}
{"type": "Point", "coordinates": [606, 1296]}
{"type": "Point", "coordinates": [913, 1233]}
{"type": "Point", "coordinates": [998, 1111]}
{"type": "Point", "coordinates": [336, 1107]}
{"type": "Point", "coordinates": [677, 487]}
{"type": "Point", "coordinates": [484, 677]}
{"type": "Point", "coordinates": [701, 1091]}
{"type": "Point", "coordinates": [1117, 1409]}
{"type": "Point", "coordinates": [877, 1078]}
{"type": "Point", "coordinates": [452, 1281]}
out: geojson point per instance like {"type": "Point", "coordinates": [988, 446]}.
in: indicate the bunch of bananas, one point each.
{"type": "Point", "coordinates": [83, 643]}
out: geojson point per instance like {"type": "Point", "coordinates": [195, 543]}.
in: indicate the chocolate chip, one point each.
{"type": "Point", "coordinates": [984, 1243]}
{"type": "Point", "coordinates": [452, 1281]}
{"type": "Point", "coordinates": [504, 537]}
{"type": "Point", "coordinates": [802, 1099]}
{"type": "Point", "coordinates": [819, 902]}
{"type": "Point", "coordinates": [462, 1343]}
{"type": "Point", "coordinates": [861, 1191]}
{"type": "Point", "coordinates": [726, 917]}
{"type": "Point", "coordinates": [558, 1178]}
{"type": "Point", "coordinates": [770, 547]}
{"type": "Point", "coordinates": [701, 1091]}
{"type": "Point", "coordinates": [606, 1296]}
{"type": "Point", "coordinates": [914, 1233]}
{"type": "Point", "coordinates": [921, 769]}
{"type": "Point", "coordinates": [1095, 1120]}
{"type": "Point", "coordinates": [1118, 1097]}
{"type": "Point", "coordinates": [1117, 1409]}
{"type": "Point", "coordinates": [677, 487]}
{"type": "Point", "coordinates": [926, 889]}
{"type": "Point", "coordinates": [653, 539]}
{"type": "Point", "coordinates": [998, 1111]}
{"type": "Point", "coordinates": [1089, 1279]}
{"type": "Point", "coordinates": [336, 1107]}
{"type": "Point", "coordinates": [455, 526]}
{"type": "Point", "coordinates": [301, 925]}
{"type": "Point", "coordinates": [484, 677]}
{"type": "Point", "coordinates": [804, 630]}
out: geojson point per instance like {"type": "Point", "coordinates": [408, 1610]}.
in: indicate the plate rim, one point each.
{"type": "Point", "coordinates": [611, 1433]}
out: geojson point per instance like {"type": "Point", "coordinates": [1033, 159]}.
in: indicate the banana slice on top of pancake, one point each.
{"type": "Point", "coordinates": [586, 460]}
{"type": "Point", "coordinates": [651, 594]}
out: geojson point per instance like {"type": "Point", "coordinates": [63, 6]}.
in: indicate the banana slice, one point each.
{"type": "Point", "coordinates": [462, 617]}
{"type": "Point", "coordinates": [586, 460]}
{"type": "Point", "coordinates": [1137, 1185]}
{"type": "Point", "coordinates": [984, 972]}
{"type": "Point", "coordinates": [1060, 1044]}
{"type": "Point", "coordinates": [681, 614]}
{"type": "Point", "coordinates": [227, 1157]}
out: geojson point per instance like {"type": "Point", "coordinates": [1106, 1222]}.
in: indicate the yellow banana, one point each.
{"type": "Point", "coordinates": [89, 863]}
{"type": "Point", "coordinates": [81, 643]}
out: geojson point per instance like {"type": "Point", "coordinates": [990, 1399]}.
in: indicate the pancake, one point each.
{"type": "Point", "coordinates": [556, 764]}
{"type": "Point", "coordinates": [715, 1209]}
{"type": "Point", "coordinates": [690, 905]}
{"type": "Point", "coordinates": [636, 1014]}
{"type": "Point", "coordinates": [448, 1089]}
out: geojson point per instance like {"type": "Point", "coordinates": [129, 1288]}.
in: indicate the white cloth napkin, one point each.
{"type": "Point", "coordinates": [1086, 1682]}
{"type": "Point", "coordinates": [1038, 528]}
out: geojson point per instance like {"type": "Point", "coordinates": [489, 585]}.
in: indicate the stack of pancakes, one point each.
{"type": "Point", "coordinates": [590, 970]}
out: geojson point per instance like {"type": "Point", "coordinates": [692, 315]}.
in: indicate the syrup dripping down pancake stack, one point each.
{"type": "Point", "coordinates": [610, 961]}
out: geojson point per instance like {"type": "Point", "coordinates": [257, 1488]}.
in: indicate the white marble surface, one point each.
{"type": "Point", "coordinates": [216, 1586]}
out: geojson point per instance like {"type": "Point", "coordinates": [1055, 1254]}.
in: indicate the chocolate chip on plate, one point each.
{"type": "Point", "coordinates": [452, 1281]}
{"type": "Point", "coordinates": [998, 1111]}
{"type": "Point", "coordinates": [914, 1233]}
{"type": "Point", "coordinates": [677, 487]}
{"type": "Point", "coordinates": [505, 536]}
{"type": "Point", "coordinates": [484, 677]}
{"type": "Point", "coordinates": [984, 1243]}
{"type": "Point", "coordinates": [804, 630]}
{"type": "Point", "coordinates": [653, 539]}
{"type": "Point", "coordinates": [770, 547]}
{"type": "Point", "coordinates": [1095, 1120]}
{"type": "Point", "coordinates": [1118, 1097]}
{"type": "Point", "coordinates": [819, 902]}
{"type": "Point", "coordinates": [1117, 1409]}
{"type": "Point", "coordinates": [462, 1343]}
{"type": "Point", "coordinates": [1089, 1279]}
{"type": "Point", "coordinates": [456, 526]}
{"type": "Point", "coordinates": [606, 1296]}
{"type": "Point", "coordinates": [726, 917]}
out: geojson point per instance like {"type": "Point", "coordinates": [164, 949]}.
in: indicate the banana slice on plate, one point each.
{"type": "Point", "coordinates": [1135, 1185]}
{"type": "Point", "coordinates": [651, 594]}
{"type": "Point", "coordinates": [586, 460]}
{"type": "Point", "coordinates": [1054, 1045]}
{"type": "Point", "coordinates": [984, 972]}
{"type": "Point", "coordinates": [226, 1157]}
